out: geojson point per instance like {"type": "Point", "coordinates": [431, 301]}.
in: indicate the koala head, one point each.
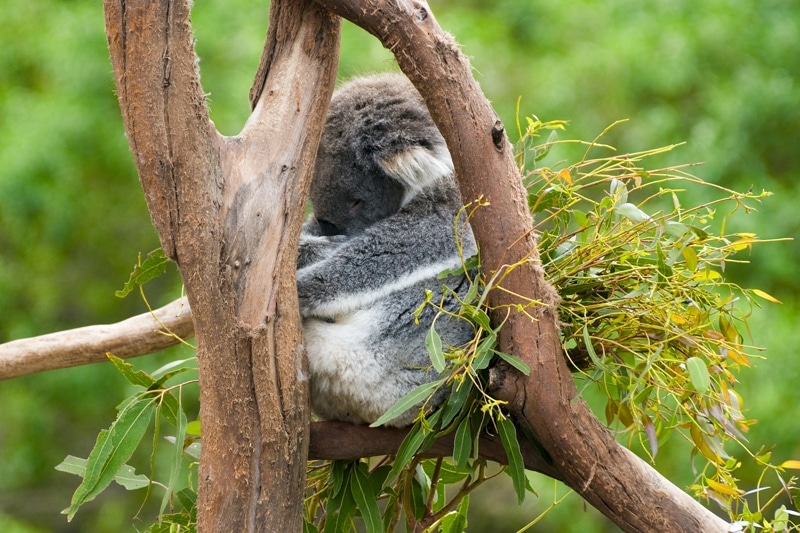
{"type": "Point", "coordinates": [379, 149]}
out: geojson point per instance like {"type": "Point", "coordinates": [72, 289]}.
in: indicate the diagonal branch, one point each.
{"type": "Point", "coordinates": [546, 402]}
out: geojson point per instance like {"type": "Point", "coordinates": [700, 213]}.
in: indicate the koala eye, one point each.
{"type": "Point", "coordinates": [328, 229]}
{"type": "Point", "coordinates": [355, 205]}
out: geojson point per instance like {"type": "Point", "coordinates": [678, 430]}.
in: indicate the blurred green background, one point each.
{"type": "Point", "coordinates": [722, 76]}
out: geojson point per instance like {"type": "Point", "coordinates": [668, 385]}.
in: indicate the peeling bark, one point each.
{"type": "Point", "coordinates": [228, 211]}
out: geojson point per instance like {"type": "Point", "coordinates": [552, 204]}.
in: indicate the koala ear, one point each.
{"type": "Point", "coordinates": [417, 168]}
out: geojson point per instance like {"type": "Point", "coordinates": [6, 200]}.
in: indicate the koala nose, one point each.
{"type": "Point", "coordinates": [328, 229]}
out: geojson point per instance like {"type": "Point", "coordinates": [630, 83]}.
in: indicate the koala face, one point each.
{"type": "Point", "coordinates": [379, 149]}
{"type": "Point", "coordinates": [350, 195]}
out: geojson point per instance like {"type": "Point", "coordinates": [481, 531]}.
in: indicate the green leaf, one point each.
{"type": "Point", "coordinates": [339, 512]}
{"type": "Point", "coordinates": [459, 393]}
{"type": "Point", "coordinates": [664, 270]}
{"type": "Point", "coordinates": [618, 191]}
{"type": "Point", "coordinates": [337, 474]}
{"type": "Point", "coordinates": [650, 432]}
{"type": "Point", "coordinates": [456, 521]}
{"type": "Point", "coordinates": [632, 213]}
{"type": "Point", "coordinates": [410, 445]}
{"type": "Point", "coordinates": [113, 448]}
{"type": "Point", "coordinates": [515, 361]}
{"type": "Point", "coordinates": [126, 477]}
{"type": "Point", "coordinates": [587, 342]}
{"type": "Point", "coordinates": [366, 500]}
{"type": "Point", "coordinates": [419, 498]}
{"type": "Point", "coordinates": [690, 257]}
{"type": "Point", "coordinates": [433, 343]}
{"type": "Point", "coordinates": [72, 465]}
{"type": "Point", "coordinates": [194, 428]}
{"type": "Point", "coordinates": [174, 368]}
{"type": "Point", "coordinates": [766, 296]}
{"type": "Point", "coordinates": [448, 473]}
{"type": "Point", "coordinates": [169, 407]}
{"type": "Point", "coordinates": [516, 468]}
{"type": "Point", "coordinates": [410, 400]}
{"type": "Point", "coordinates": [134, 377]}
{"type": "Point", "coordinates": [676, 230]}
{"type": "Point", "coordinates": [462, 444]}
{"type": "Point", "coordinates": [154, 265]}
{"type": "Point", "coordinates": [484, 352]}
{"type": "Point", "coordinates": [698, 374]}
{"type": "Point", "coordinates": [479, 316]}
{"type": "Point", "coordinates": [177, 455]}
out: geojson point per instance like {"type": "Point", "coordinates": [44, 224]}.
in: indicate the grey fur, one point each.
{"type": "Point", "coordinates": [385, 201]}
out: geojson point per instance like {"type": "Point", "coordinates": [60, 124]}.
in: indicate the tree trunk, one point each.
{"type": "Point", "coordinates": [228, 211]}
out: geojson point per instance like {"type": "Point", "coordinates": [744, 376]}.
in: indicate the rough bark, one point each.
{"type": "Point", "coordinates": [345, 441]}
{"type": "Point", "coordinates": [228, 211]}
{"type": "Point", "coordinates": [545, 403]}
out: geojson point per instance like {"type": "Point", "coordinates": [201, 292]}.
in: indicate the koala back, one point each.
{"type": "Point", "coordinates": [386, 215]}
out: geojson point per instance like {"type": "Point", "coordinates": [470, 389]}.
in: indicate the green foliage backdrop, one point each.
{"type": "Point", "coordinates": [723, 76]}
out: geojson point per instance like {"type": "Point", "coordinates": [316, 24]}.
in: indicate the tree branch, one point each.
{"type": "Point", "coordinates": [138, 335]}
{"type": "Point", "coordinates": [345, 441]}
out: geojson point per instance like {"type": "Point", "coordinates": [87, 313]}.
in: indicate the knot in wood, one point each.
{"type": "Point", "coordinates": [497, 134]}
{"type": "Point", "coordinates": [420, 11]}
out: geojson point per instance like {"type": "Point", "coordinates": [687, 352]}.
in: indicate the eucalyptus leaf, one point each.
{"type": "Point", "coordinates": [113, 448]}
{"type": "Point", "coordinates": [433, 343]}
{"type": "Point", "coordinates": [134, 377]}
{"type": "Point", "coordinates": [456, 521]}
{"type": "Point", "coordinates": [153, 266]}
{"type": "Point", "coordinates": [126, 477]}
{"type": "Point", "coordinates": [459, 393]}
{"type": "Point", "coordinates": [462, 444]}
{"type": "Point", "coordinates": [410, 400]}
{"type": "Point", "coordinates": [410, 445]}
{"type": "Point", "coordinates": [632, 213]}
{"type": "Point", "coordinates": [515, 361]}
{"type": "Point", "coordinates": [516, 468]}
{"type": "Point", "coordinates": [177, 456]}
{"type": "Point", "coordinates": [618, 191]}
{"type": "Point", "coordinates": [698, 374]}
{"type": "Point", "coordinates": [366, 500]}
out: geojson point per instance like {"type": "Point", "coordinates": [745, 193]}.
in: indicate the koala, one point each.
{"type": "Point", "coordinates": [385, 209]}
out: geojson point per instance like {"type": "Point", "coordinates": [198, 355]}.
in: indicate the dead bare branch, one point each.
{"type": "Point", "coordinates": [138, 335]}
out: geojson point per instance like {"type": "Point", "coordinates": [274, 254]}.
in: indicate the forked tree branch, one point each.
{"type": "Point", "coordinates": [229, 211]}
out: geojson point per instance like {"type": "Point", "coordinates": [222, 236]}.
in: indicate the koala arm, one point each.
{"type": "Point", "coordinates": [392, 254]}
{"type": "Point", "coordinates": [314, 246]}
